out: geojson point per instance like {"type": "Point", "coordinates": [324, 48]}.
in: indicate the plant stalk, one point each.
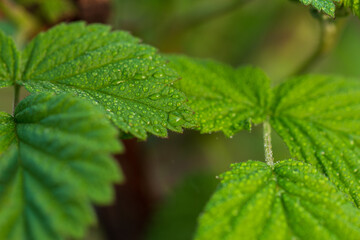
{"type": "Point", "coordinates": [267, 144]}
{"type": "Point", "coordinates": [328, 36]}
{"type": "Point", "coordinates": [16, 96]}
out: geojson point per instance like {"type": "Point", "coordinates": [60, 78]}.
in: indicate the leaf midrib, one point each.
{"type": "Point", "coordinates": [54, 68]}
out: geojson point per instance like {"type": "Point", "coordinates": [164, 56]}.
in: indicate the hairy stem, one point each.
{"type": "Point", "coordinates": [16, 96]}
{"type": "Point", "coordinates": [328, 36]}
{"type": "Point", "coordinates": [267, 144]}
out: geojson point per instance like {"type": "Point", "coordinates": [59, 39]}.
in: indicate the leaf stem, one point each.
{"type": "Point", "coordinates": [16, 96]}
{"type": "Point", "coordinates": [267, 144]}
{"type": "Point", "coordinates": [329, 33]}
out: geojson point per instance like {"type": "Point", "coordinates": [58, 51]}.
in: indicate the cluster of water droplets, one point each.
{"type": "Point", "coordinates": [320, 126]}
{"type": "Point", "coordinates": [223, 98]}
{"type": "Point", "coordinates": [129, 80]}
{"type": "Point", "coordinates": [255, 201]}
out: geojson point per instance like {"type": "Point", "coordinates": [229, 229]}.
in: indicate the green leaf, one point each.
{"type": "Point", "coordinates": [9, 61]}
{"type": "Point", "coordinates": [7, 131]}
{"type": "Point", "coordinates": [223, 98]}
{"type": "Point", "coordinates": [326, 6]}
{"type": "Point", "coordinates": [58, 163]}
{"type": "Point", "coordinates": [354, 5]}
{"type": "Point", "coordinates": [292, 201]}
{"type": "Point", "coordinates": [111, 69]}
{"type": "Point", "coordinates": [319, 119]}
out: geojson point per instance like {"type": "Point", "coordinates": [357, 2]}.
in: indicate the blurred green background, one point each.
{"type": "Point", "coordinates": [170, 180]}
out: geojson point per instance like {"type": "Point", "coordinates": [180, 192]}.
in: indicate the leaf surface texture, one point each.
{"type": "Point", "coordinates": [326, 6]}
{"type": "Point", "coordinates": [291, 201]}
{"type": "Point", "coordinates": [129, 80]}
{"type": "Point", "coordinates": [54, 161]}
{"type": "Point", "coordinates": [9, 61]}
{"type": "Point", "coordinates": [319, 119]}
{"type": "Point", "coordinates": [223, 98]}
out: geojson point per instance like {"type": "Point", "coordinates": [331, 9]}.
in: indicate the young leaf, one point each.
{"type": "Point", "coordinates": [9, 61]}
{"type": "Point", "coordinates": [327, 6]}
{"type": "Point", "coordinates": [291, 201]}
{"type": "Point", "coordinates": [319, 119]}
{"type": "Point", "coordinates": [223, 98]}
{"type": "Point", "coordinates": [56, 165]}
{"type": "Point", "coordinates": [354, 5]}
{"type": "Point", "coordinates": [111, 69]}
